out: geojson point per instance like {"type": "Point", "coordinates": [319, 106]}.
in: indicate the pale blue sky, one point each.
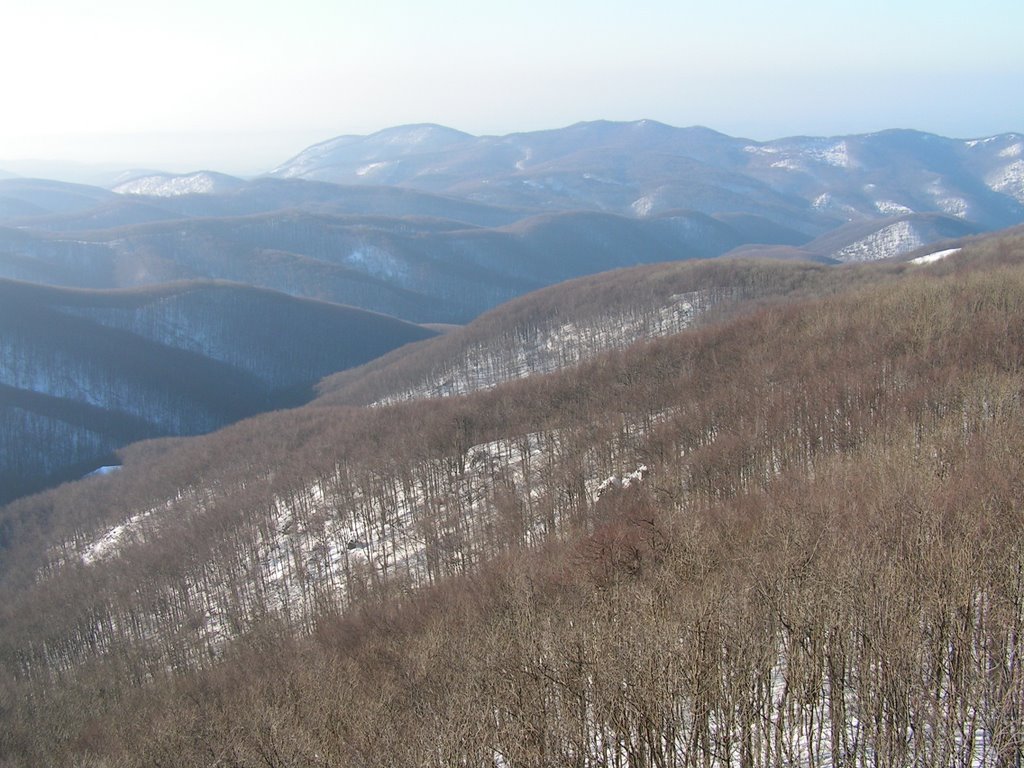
{"type": "Point", "coordinates": [240, 86]}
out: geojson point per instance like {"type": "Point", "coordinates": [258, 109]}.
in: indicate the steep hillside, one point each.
{"type": "Point", "coordinates": [563, 325]}
{"type": "Point", "coordinates": [86, 372]}
{"type": "Point", "coordinates": [790, 535]}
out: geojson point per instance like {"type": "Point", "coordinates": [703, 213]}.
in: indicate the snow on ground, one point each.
{"type": "Point", "coordinates": [893, 240]}
{"type": "Point", "coordinates": [371, 168]}
{"type": "Point", "coordinates": [823, 201]}
{"type": "Point", "coordinates": [62, 373]}
{"type": "Point", "coordinates": [1009, 180]}
{"type": "Point", "coordinates": [954, 206]}
{"type": "Point", "coordinates": [929, 258]}
{"type": "Point", "coordinates": [946, 201]}
{"type": "Point", "coordinates": [788, 164]}
{"type": "Point", "coordinates": [796, 156]}
{"type": "Point", "coordinates": [527, 156]}
{"type": "Point", "coordinates": [643, 206]}
{"type": "Point", "coordinates": [170, 186]}
{"type": "Point", "coordinates": [622, 481]}
{"type": "Point", "coordinates": [892, 208]}
{"type": "Point", "coordinates": [828, 202]}
{"type": "Point", "coordinates": [406, 521]}
{"type": "Point", "coordinates": [111, 541]}
{"type": "Point", "coordinates": [107, 470]}
{"type": "Point", "coordinates": [378, 263]}
{"type": "Point", "coordinates": [836, 155]}
{"type": "Point", "coordinates": [407, 525]}
{"type": "Point", "coordinates": [552, 347]}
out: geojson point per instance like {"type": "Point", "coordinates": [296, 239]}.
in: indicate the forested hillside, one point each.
{"type": "Point", "coordinates": [83, 373]}
{"type": "Point", "coordinates": [789, 535]}
{"type": "Point", "coordinates": [561, 326]}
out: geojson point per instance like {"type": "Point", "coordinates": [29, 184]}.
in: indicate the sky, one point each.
{"type": "Point", "coordinates": [241, 86]}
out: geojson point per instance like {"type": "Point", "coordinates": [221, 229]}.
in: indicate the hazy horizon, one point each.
{"type": "Point", "coordinates": [238, 88]}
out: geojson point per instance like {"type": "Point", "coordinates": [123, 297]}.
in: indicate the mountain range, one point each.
{"type": "Point", "coordinates": [644, 168]}
{"type": "Point", "coordinates": [431, 224]}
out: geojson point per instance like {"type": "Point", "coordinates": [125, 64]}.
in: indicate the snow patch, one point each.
{"type": "Point", "coordinates": [836, 155]}
{"type": "Point", "coordinates": [371, 168]}
{"type": "Point", "coordinates": [891, 207]}
{"type": "Point", "coordinates": [947, 203]}
{"type": "Point", "coordinates": [1009, 180]}
{"type": "Point", "coordinates": [171, 186]}
{"type": "Point", "coordinates": [113, 539]}
{"type": "Point", "coordinates": [622, 481]}
{"type": "Point", "coordinates": [377, 262]}
{"type": "Point", "coordinates": [929, 258]}
{"type": "Point", "coordinates": [788, 164]}
{"type": "Point", "coordinates": [108, 470]}
{"type": "Point", "coordinates": [521, 162]}
{"type": "Point", "coordinates": [826, 202]}
{"type": "Point", "coordinates": [890, 241]}
{"type": "Point", "coordinates": [954, 206]}
{"type": "Point", "coordinates": [643, 206]}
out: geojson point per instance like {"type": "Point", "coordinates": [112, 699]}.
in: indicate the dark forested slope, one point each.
{"type": "Point", "coordinates": [86, 372]}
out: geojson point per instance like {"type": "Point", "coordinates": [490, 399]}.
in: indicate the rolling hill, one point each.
{"type": "Point", "coordinates": [421, 269]}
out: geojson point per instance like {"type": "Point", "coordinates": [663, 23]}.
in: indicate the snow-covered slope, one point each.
{"type": "Point", "coordinates": [552, 346]}
{"type": "Point", "coordinates": [174, 185]}
{"type": "Point", "coordinates": [561, 326]}
{"type": "Point", "coordinates": [888, 238]}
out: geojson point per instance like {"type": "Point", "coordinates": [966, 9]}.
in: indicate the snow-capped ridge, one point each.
{"type": "Point", "coordinates": [175, 185]}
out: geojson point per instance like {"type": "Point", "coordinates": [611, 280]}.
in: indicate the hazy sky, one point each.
{"type": "Point", "coordinates": [240, 86]}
